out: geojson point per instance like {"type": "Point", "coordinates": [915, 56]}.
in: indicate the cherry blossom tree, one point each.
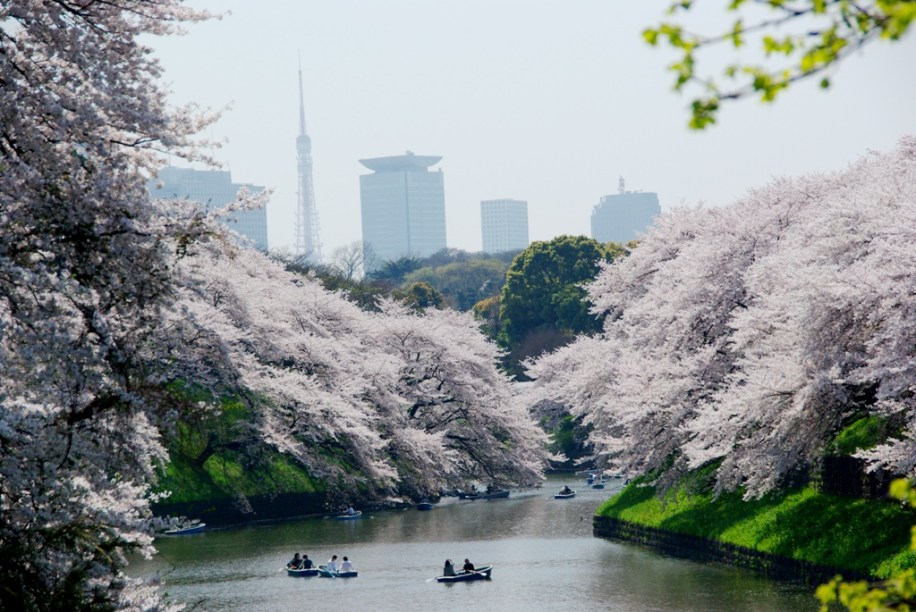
{"type": "Point", "coordinates": [85, 267]}
{"type": "Point", "coordinates": [748, 335]}
{"type": "Point", "coordinates": [411, 401]}
{"type": "Point", "coordinates": [107, 297]}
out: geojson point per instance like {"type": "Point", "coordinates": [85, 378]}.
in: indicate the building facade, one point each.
{"type": "Point", "coordinates": [504, 225]}
{"type": "Point", "coordinates": [624, 216]}
{"type": "Point", "coordinates": [403, 206]}
{"type": "Point", "coordinates": [213, 189]}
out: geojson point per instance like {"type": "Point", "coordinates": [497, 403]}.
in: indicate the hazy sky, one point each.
{"type": "Point", "coordinates": [547, 101]}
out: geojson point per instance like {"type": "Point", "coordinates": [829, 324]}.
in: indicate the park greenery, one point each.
{"type": "Point", "coordinates": [789, 41]}
{"type": "Point", "coordinates": [738, 343]}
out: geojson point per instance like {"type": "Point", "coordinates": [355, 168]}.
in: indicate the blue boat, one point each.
{"type": "Point", "coordinates": [190, 530]}
{"type": "Point", "coordinates": [325, 573]}
{"type": "Point", "coordinates": [349, 517]}
{"type": "Point", "coordinates": [482, 573]}
{"type": "Point", "coordinates": [425, 505]}
{"type": "Point", "coordinates": [598, 485]}
{"type": "Point", "coordinates": [302, 573]}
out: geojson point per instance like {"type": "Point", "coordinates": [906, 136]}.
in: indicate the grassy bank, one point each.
{"type": "Point", "coordinates": [218, 458]}
{"type": "Point", "coordinates": [864, 535]}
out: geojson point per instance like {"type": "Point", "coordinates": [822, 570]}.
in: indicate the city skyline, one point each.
{"type": "Point", "coordinates": [522, 99]}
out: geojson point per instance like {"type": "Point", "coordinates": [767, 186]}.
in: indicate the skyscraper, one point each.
{"type": "Point", "coordinates": [403, 206]}
{"type": "Point", "coordinates": [213, 189]}
{"type": "Point", "coordinates": [308, 242]}
{"type": "Point", "coordinates": [504, 225]}
{"type": "Point", "coordinates": [624, 216]}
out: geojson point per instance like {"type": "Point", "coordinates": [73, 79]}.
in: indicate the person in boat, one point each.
{"type": "Point", "coordinates": [468, 566]}
{"type": "Point", "coordinates": [350, 511]}
{"type": "Point", "coordinates": [490, 488]}
{"type": "Point", "coordinates": [449, 569]}
{"type": "Point", "coordinates": [565, 490]}
{"type": "Point", "coordinates": [346, 566]}
{"type": "Point", "coordinates": [295, 562]}
{"type": "Point", "coordinates": [332, 564]}
{"type": "Point", "coordinates": [306, 562]}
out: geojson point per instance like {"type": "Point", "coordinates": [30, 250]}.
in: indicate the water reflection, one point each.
{"type": "Point", "coordinates": [542, 549]}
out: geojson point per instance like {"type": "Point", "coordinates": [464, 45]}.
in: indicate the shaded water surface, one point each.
{"type": "Point", "coordinates": [542, 549]}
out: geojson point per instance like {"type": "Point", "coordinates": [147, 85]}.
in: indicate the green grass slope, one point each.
{"type": "Point", "coordinates": [865, 535]}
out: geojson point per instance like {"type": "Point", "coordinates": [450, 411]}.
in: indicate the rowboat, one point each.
{"type": "Point", "coordinates": [302, 573]}
{"type": "Point", "coordinates": [500, 493]}
{"type": "Point", "coordinates": [190, 530]}
{"type": "Point", "coordinates": [325, 573]}
{"type": "Point", "coordinates": [349, 517]}
{"type": "Point", "coordinates": [482, 573]}
{"type": "Point", "coordinates": [598, 485]}
{"type": "Point", "coordinates": [569, 495]}
{"type": "Point", "coordinates": [425, 505]}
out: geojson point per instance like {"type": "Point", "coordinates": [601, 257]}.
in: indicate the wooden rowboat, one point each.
{"type": "Point", "coordinates": [482, 573]}
{"type": "Point", "coordinates": [325, 573]}
{"type": "Point", "coordinates": [190, 530]}
{"type": "Point", "coordinates": [491, 495]}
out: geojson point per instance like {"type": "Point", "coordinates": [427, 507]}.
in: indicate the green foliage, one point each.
{"type": "Point", "coordinates": [804, 524]}
{"type": "Point", "coordinates": [543, 291]}
{"type": "Point", "coordinates": [463, 283]}
{"type": "Point", "coordinates": [487, 312]}
{"type": "Point", "coordinates": [420, 296]}
{"type": "Point", "coordinates": [825, 33]}
{"type": "Point", "coordinates": [395, 271]}
{"type": "Point", "coordinates": [863, 434]}
{"type": "Point", "coordinates": [217, 456]}
{"type": "Point", "coordinates": [568, 438]}
{"type": "Point", "coordinates": [896, 592]}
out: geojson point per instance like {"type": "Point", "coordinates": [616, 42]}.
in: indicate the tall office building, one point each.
{"type": "Point", "coordinates": [403, 206]}
{"type": "Point", "coordinates": [213, 189]}
{"type": "Point", "coordinates": [307, 241]}
{"type": "Point", "coordinates": [504, 225]}
{"type": "Point", "coordinates": [624, 216]}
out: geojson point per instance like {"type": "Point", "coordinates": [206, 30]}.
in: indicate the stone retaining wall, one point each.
{"type": "Point", "coordinates": [254, 509]}
{"type": "Point", "coordinates": [703, 549]}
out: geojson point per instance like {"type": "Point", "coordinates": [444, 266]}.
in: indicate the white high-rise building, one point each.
{"type": "Point", "coordinates": [213, 189]}
{"type": "Point", "coordinates": [504, 225]}
{"type": "Point", "coordinates": [624, 216]}
{"type": "Point", "coordinates": [403, 206]}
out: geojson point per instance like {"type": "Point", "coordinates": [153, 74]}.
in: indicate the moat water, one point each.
{"type": "Point", "coordinates": [542, 550]}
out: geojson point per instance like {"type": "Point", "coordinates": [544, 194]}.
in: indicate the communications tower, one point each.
{"type": "Point", "coordinates": [308, 243]}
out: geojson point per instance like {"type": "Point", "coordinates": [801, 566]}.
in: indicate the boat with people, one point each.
{"type": "Point", "coordinates": [302, 572]}
{"type": "Point", "coordinates": [189, 530]}
{"type": "Point", "coordinates": [347, 516]}
{"type": "Point", "coordinates": [493, 494]}
{"type": "Point", "coordinates": [565, 493]}
{"type": "Point", "coordinates": [482, 573]}
{"type": "Point", "coordinates": [324, 572]}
